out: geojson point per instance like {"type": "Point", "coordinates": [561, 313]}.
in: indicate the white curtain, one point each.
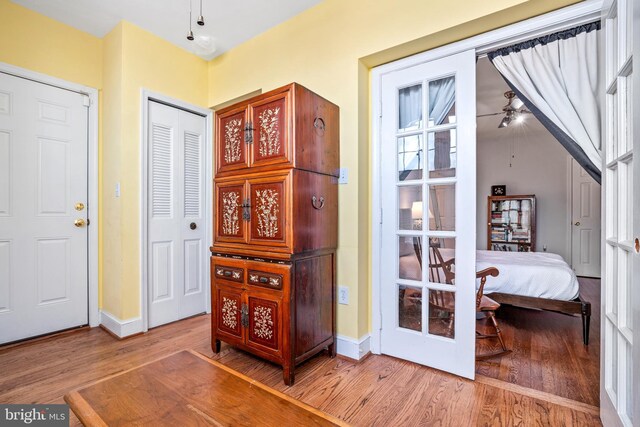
{"type": "Point", "coordinates": [559, 77]}
{"type": "Point", "coordinates": [442, 95]}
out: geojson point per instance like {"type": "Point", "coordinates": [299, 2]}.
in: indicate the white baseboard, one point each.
{"type": "Point", "coordinates": [120, 328]}
{"type": "Point", "coordinates": [352, 348]}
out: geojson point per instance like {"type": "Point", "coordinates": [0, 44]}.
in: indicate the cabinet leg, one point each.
{"type": "Point", "coordinates": [215, 346]}
{"type": "Point", "coordinates": [332, 350]}
{"type": "Point", "coordinates": [288, 375]}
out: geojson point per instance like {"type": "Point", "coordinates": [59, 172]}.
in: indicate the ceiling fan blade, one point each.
{"type": "Point", "coordinates": [490, 114]}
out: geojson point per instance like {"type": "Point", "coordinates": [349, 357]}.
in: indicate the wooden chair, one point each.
{"type": "Point", "coordinates": [441, 271]}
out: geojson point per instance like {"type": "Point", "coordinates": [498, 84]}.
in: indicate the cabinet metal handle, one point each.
{"type": "Point", "coordinates": [318, 123]}
{"type": "Point", "coordinates": [227, 273]}
{"type": "Point", "coordinates": [244, 315]}
{"type": "Point", "coordinates": [263, 280]}
{"type": "Point", "coordinates": [317, 203]}
{"type": "Point", "coordinates": [246, 210]}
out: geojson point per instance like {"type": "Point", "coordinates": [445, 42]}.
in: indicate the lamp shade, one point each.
{"type": "Point", "coordinates": [416, 210]}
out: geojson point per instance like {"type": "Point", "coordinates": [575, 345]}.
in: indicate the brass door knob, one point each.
{"type": "Point", "coordinates": [79, 222]}
{"type": "Point", "coordinates": [79, 206]}
{"type": "Point", "coordinates": [637, 245]}
{"type": "Point", "coordinates": [577, 224]}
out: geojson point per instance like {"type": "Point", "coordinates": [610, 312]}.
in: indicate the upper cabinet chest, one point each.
{"type": "Point", "coordinates": [290, 127]}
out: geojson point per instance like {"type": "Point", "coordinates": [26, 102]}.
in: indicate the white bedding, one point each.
{"type": "Point", "coordinates": [532, 274]}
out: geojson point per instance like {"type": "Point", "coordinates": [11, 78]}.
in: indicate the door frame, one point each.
{"type": "Point", "coordinates": [92, 175]}
{"type": "Point", "coordinates": [551, 22]}
{"type": "Point", "coordinates": [146, 96]}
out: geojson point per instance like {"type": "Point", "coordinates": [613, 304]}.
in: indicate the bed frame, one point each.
{"type": "Point", "coordinates": [571, 308]}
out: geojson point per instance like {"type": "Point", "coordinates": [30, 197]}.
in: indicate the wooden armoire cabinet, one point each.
{"type": "Point", "coordinates": [276, 226]}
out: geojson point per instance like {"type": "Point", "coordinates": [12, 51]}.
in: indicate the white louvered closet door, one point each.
{"type": "Point", "coordinates": [176, 230]}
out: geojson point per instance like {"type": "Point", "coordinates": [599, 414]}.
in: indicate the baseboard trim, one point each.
{"type": "Point", "coordinates": [352, 348]}
{"type": "Point", "coordinates": [120, 328]}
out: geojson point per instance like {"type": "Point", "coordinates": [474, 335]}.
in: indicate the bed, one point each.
{"type": "Point", "coordinates": [534, 280]}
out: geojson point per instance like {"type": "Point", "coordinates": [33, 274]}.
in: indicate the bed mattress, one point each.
{"type": "Point", "coordinates": [531, 274]}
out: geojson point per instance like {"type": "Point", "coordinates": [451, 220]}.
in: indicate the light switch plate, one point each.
{"type": "Point", "coordinates": [343, 295]}
{"type": "Point", "coordinates": [343, 178]}
{"type": "Point", "coordinates": [117, 189]}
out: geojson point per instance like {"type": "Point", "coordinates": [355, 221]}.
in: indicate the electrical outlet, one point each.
{"type": "Point", "coordinates": [343, 295]}
{"type": "Point", "coordinates": [343, 178]}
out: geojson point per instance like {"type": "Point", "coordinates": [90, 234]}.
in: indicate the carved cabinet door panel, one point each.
{"type": "Point", "coordinates": [269, 199]}
{"type": "Point", "coordinates": [231, 141]}
{"type": "Point", "coordinates": [229, 311]}
{"type": "Point", "coordinates": [271, 131]}
{"type": "Point", "coordinates": [230, 223]}
{"type": "Point", "coordinates": [264, 322]}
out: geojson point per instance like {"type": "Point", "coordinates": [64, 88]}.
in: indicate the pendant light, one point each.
{"type": "Point", "coordinates": [190, 33]}
{"type": "Point", "coordinates": [200, 18]}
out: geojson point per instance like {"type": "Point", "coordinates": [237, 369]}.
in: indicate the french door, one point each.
{"type": "Point", "coordinates": [429, 210]}
{"type": "Point", "coordinates": [620, 403]}
{"type": "Point", "coordinates": [176, 230]}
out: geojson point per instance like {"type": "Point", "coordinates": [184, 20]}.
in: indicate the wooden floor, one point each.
{"type": "Point", "coordinates": [548, 354]}
{"type": "Point", "coordinates": [378, 390]}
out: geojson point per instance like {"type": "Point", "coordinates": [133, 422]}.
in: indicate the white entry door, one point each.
{"type": "Point", "coordinates": [176, 230]}
{"type": "Point", "coordinates": [43, 209]}
{"type": "Point", "coordinates": [620, 366]}
{"type": "Point", "coordinates": [429, 210]}
{"type": "Point", "coordinates": [586, 222]}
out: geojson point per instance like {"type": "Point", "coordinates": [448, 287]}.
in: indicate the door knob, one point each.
{"type": "Point", "coordinates": [577, 224]}
{"type": "Point", "coordinates": [637, 246]}
{"type": "Point", "coordinates": [79, 222]}
{"type": "Point", "coordinates": [79, 206]}
{"type": "Point", "coordinates": [193, 226]}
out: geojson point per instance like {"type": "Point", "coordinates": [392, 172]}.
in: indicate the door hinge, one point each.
{"type": "Point", "coordinates": [248, 133]}
{"type": "Point", "coordinates": [86, 101]}
{"type": "Point", "coordinates": [246, 210]}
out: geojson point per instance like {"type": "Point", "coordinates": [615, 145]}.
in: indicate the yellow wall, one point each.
{"type": "Point", "coordinates": [138, 60]}
{"type": "Point", "coordinates": [330, 48]}
{"type": "Point", "coordinates": [33, 41]}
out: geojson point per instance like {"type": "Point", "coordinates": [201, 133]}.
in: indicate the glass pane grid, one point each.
{"type": "Point", "coordinates": [611, 274]}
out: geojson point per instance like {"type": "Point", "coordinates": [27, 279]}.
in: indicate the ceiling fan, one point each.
{"type": "Point", "coordinates": [513, 111]}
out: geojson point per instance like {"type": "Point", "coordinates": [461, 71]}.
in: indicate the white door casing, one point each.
{"type": "Point", "coordinates": [176, 214]}
{"type": "Point", "coordinates": [620, 360]}
{"type": "Point", "coordinates": [43, 175]}
{"type": "Point", "coordinates": [585, 222]}
{"type": "Point", "coordinates": [416, 174]}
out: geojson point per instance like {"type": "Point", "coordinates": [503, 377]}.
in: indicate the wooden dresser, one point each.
{"type": "Point", "coordinates": [276, 226]}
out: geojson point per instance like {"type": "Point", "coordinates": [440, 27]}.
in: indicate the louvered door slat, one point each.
{"type": "Point", "coordinates": [161, 171]}
{"type": "Point", "coordinates": [192, 162]}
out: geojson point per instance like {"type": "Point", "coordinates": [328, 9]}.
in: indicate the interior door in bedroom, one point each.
{"type": "Point", "coordinates": [620, 364]}
{"type": "Point", "coordinates": [428, 196]}
{"type": "Point", "coordinates": [585, 217]}
{"type": "Point", "coordinates": [177, 252]}
{"type": "Point", "coordinates": [43, 209]}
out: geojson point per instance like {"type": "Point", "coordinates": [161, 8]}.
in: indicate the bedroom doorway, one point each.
{"type": "Point", "coordinates": [548, 351]}
{"type": "Point", "coordinates": [551, 335]}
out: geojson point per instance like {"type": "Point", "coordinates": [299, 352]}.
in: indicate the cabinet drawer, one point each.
{"type": "Point", "coordinates": [268, 280]}
{"type": "Point", "coordinates": [228, 270]}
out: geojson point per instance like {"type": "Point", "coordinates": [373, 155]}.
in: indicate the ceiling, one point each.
{"type": "Point", "coordinates": [227, 23]}
{"type": "Point", "coordinates": [490, 99]}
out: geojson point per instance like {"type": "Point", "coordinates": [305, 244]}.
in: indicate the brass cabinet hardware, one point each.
{"type": "Point", "coordinates": [244, 315]}
{"type": "Point", "coordinates": [317, 203]}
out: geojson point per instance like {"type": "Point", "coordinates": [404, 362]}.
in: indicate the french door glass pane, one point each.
{"type": "Point", "coordinates": [441, 313]}
{"type": "Point", "coordinates": [410, 207]}
{"type": "Point", "coordinates": [441, 259]}
{"type": "Point", "coordinates": [410, 157]}
{"type": "Point", "coordinates": [410, 257]}
{"type": "Point", "coordinates": [442, 213]}
{"type": "Point", "coordinates": [442, 101]}
{"type": "Point", "coordinates": [441, 152]}
{"type": "Point", "coordinates": [410, 108]}
{"type": "Point", "coordinates": [410, 307]}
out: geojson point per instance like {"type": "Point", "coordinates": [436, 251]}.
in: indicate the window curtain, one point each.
{"type": "Point", "coordinates": [558, 78]}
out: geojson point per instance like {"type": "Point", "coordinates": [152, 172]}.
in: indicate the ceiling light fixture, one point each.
{"type": "Point", "coordinates": [200, 20]}
{"type": "Point", "coordinates": [190, 33]}
{"type": "Point", "coordinates": [514, 111]}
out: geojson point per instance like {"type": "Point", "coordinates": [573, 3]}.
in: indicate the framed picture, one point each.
{"type": "Point", "coordinates": [498, 190]}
